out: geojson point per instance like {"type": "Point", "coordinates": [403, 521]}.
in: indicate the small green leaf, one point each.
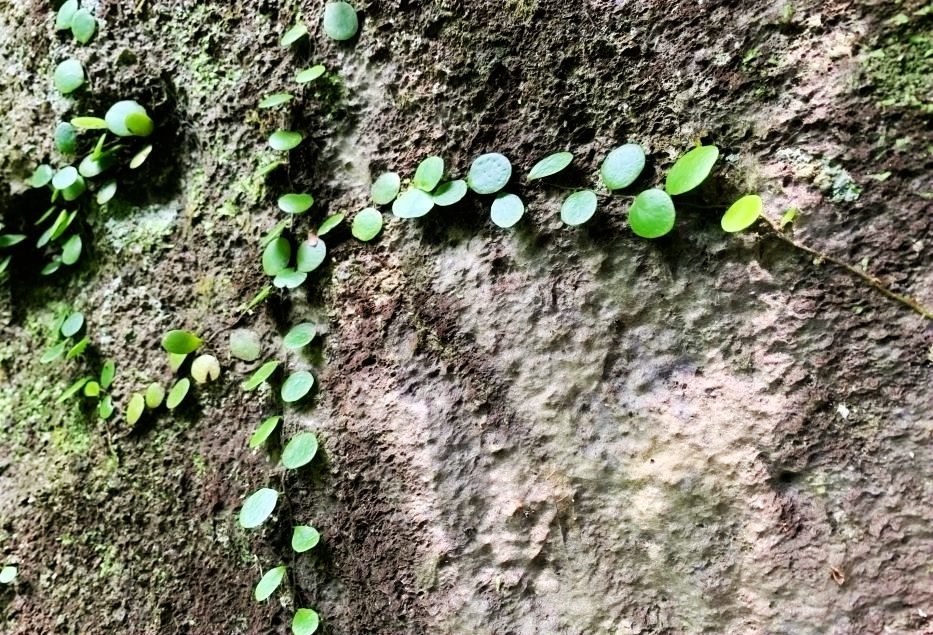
{"type": "Point", "coordinates": [742, 214]}
{"type": "Point", "coordinates": [652, 214]}
{"type": "Point", "coordinates": [8, 574]}
{"type": "Point", "coordinates": [83, 26]}
{"type": "Point", "coordinates": [257, 507]}
{"type": "Point", "coordinates": [105, 407]}
{"type": "Point", "coordinates": [178, 393]}
{"type": "Point", "coordinates": [4, 263]}
{"type": "Point", "coordinates": [276, 256]}
{"type": "Point", "coordinates": [69, 182]}
{"type": "Point", "coordinates": [311, 254]}
{"type": "Point", "coordinates": [305, 622]}
{"type": "Point", "coordinates": [429, 174]}
{"type": "Point", "coordinates": [449, 193]}
{"type": "Point", "coordinates": [268, 167]}
{"type": "Point", "coordinates": [42, 176]}
{"type": "Point", "coordinates": [412, 203]}
{"type": "Point", "coordinates": [180, 342]}
{"type": "Point", "coordinates": [205, 368]}
{"type": "Point", "coordinates": [622, 166]}
{"type": "Point", "coordinates": [276, 99]}
{"type": "Point", "coordinates": [53, 353]}
{"type": "Point", "coordinates": [550, 165]}
{"type": "Point", "coordinates": [68, 76]}
{"type": "Point", "coordinates": [330, 223]}
{"type": "Point", "coordinates": [489, 173]}
{"type": "Point", "coordinates": [140, 157]}
{"type": "Point", "coordinates": [386, 188]}
{"type": "Point", "coordinates": [139, 124]}
{"type": "Point", "coordinates": [310, 74]}
{"type": "Point", "coordinates": [92, 389]}
{"type": "Point", "coordinates": [299, 336]}
{"type": "Point", "coordinates": [89, 123]}
{"type": "Point", "coordinates": [118, 117]}
{"type": "Point", "coordinates": [288, 278]}
{"type": "Point", "coordinates": [8, 240]}
{"type": "Point", "coordinates": [789, 216]}
{"type": "Point", "coordinates": [106, 192]}
{"type": "Point", "coordinates": [297, 386]}
{"type": "Point", "coordinates": [340, 21]}
{"type": "Point", "coordinates": [51, 267]}
{"type": "Point", "coordinates": [299, 451]}
{"type": "Point", "coordinates": [366, 224]}
{"type": "Point", "coordinates": [135, 408]}
{"type": "Point", "coordinates": [294, 34]}
{"type": "Point", "coordinates": [78, 349]}
{"type": "Point", "coordinates": [269, 583]}
{"type": "Point", "coordinates": [264, 431]}
{"type": "Point", "coordinates": [578, 208]}
{"type": "Point", "coordinates": [690, 170]}
{"type": "Point", "coordinates": [261, 375]}
{"type": "Point", "coordinates": [155, 395]}
{"type": "Point", "coordinates": [107, 373]}
{"type": "Point", "coordinates": [507, 210]}
{"type": "Point", "coordinates": [284, 140]}
{"type": "Point", "coordinates": [304, 538]}
{"type": "Point", "coordinates": [175, 360]}
{"type": "Point", "coordinates": [66, 138]}
{"type": "Point", "coordinates": [72, 324]}
{"type": "Point", "coordinates": [245, 345]}
{"type": "Point", "coordinates": [295, 203]}
{"type": "Point", "coordinates": [71, 250]}
{"type": "Point", "coordinates": [94, 164]}
{"type": "Point", "coordinates": [65, 15]}
{"type": "Point", "coordinates": [73, 389]}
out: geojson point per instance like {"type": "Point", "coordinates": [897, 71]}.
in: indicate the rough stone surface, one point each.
{"type": "Point", "coordinates": [545, 430]}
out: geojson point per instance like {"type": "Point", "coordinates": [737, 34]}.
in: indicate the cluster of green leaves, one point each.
{"type": "Point", "coordinates": [81, 22]}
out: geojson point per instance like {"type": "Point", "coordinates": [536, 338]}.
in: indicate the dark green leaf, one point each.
{"type": "Point", "coordinates": [180, 342]}
{"type": "Point", "coordinates": [276, 256]}
{"type": "Point", "coordinates": [691, 169]}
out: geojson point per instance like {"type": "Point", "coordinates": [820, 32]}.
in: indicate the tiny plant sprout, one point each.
{"type": "Point", "coordinates": [83, 26]}
{"type": "Point", "coordinates": [68, 76]}
{"type": "Point", "coordinates": [178, 393]}
{"type": "Point", "coordinates": [788, 217]}
{"type": "Point", "coordinates": [304, 538]}
{"type": "Point", "coordinates": [66, 138]}
{"type": "Point", "coordinates": [276, 99]}
{"type": "Point", "coordinates": [94, 164]}
{"type": "Point", "coordinates": [73, 389]}
{"type": "Point", "coordinates": [257, 507]}
{"type": "Point", "coordinates": [276, 256]}
{"type": "Point", "coordinates": [295, 33]}
{"type": "Point", "coordinates": [269, 583]}
{"type": "Point", "coordinates": [42, 176]}
{"type": "Point", "coordinates": [71, 250]}
{"type": "Point", "coordinates": [297, 386]}
{"type": "Point", "coordinates": [69, 183]}
{"type": "Point", "coordinates": [105, 407]}
{"type": "Point", "coordinates": [65, 15]}
{"type": "Point", "coordinates": [295, 203]}
{"type": "Point", "coordinates": [261, 375]}
{"type": "Point", "coordinates": [284, 140]}
{"type": "Point", "coordinates": [135, 408]}
{"type": "Point", "coordinates": [139, 124]}
{"type": "Point", "coordinates": [507, 210]}
{"type": "Point", "coordinates": [330, 223]}
{"type": "Point", "coordinates": [578, 208]}
{"type": "Point", "coordinates": [366, 224]}
{"type": "Point", "coordinates": [264, 431]}
{"type": "Point", "coordinates": [311, 254]}
{"type": "Point", "coordinates": [691, 169]}
{"type": "Point", "coordinates": [107, 373]}
{"type": "Point", "coordinates": [118, 117]}
{"type": "Point", "coordinates": [310, 74]}
{"type": "Point", "coordinates": [175, 360]}
{"type": "Point", "coordinates": [489, 173]}
{"type": "Point", "coordinates": [386, 188]}
{"type": "Point", "coordinates": [305, 622]}
{"type": "Point", "coordinates": [299, 336]}
{"type": "Point", "coordinates": [622, 166]}
{"type": "Point", "coordinates": [78, 349]}
{"type": "Point", "coordinates": [155, 395]}
{"type": "Point", "coordinates": [299, 451]}
{"type": "Point", "coordinates": [8, 574]}
{"type": "Point", "coordinates": [140, 157]}
{"type": "Point", "coordinates": [449, 193]}
{"type": "Point", "coordinates": [742, 214]}
{"type": "Point", "coordinates": [550, 165]}
{"type": "Point", "coordinates": [52, 353]}
{"type": "Point", "coordinates": [429, 174]}
{"type": "Point", "coordinates": [180, 342]}
{"type": "Point", "coordinates": [92, 389]}
{"type": "Point", "coordinates": [289, 278]}
{"type": "Point", "coordinates": [205, 368]}
{"type": "Point", "coordinates": [106, 192]}
{"type": "Point", "coordinates": [651, 214]}
{"type": "Point", "coordinates": [340, 21]}
{"type": "Point", "coordinates": [412, 203]}
{"type": "Point", "coordinates": [72, 324]}
{"type": "Point", "coordinates": [245, 345]}
{"type": "Point", "coordinates": [89, 123]}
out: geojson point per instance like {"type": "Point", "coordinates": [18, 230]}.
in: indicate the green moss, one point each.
{"type": "Point", "coordinates": [900, 67]}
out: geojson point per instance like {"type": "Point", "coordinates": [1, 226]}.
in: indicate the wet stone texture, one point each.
{"type": "Point", "coordinates": [543, 430]}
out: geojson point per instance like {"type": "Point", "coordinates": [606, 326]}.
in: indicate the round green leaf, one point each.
{"type": "Point", "coordinates": [651, 214]}
{"type": "Point", "coordinates": [299, 451]}
{"type": "Point", "coordinates": [245, 345]}
{"type": "Point", "coordinates": [691, 169]}
{"type": "Point", "coordinates": [367, 224]}
{"type": "Point", "coordinates": [329, 223]}
{"type": "Point", "coordinates": [8, 574]}
{"type": "Point", "coordinates": [178, 393]}
{"type": "Point", "coordinates": [107, 373]}
{"type": "Point", "coordinates": [69, 182]}
{"type": "Point", "coordinates": [276, 99]}
{"type": "Point", "coordinates": [742, 214]}
{"type": "Point", "coordinates": [297, 386]}
{"type": "Point", "coordinates": [507, 210]}
{"type": "Point", "coordinates": [106, 192]}
{"type": "Point", "coordinates": [276, 256]}
{"type": "Point", "coordinates": [94, 164]}
{"type": "Point", "coordinates": [299, 336]}
{"type": "Point", "coordinates": [180, 342]}
{"type": "Point", "coordinates": [52, 353]}
{"type": "Point", "coordinates": [294, 34]}
{"type": "Point", "coordinates": [385, 188]}
{"type": "Point", "coordinates": [340, 21]}
{"type": "Point", "coordinates": [135, 408]}
{"type": "Point", "coordinates": [622, 166]}
{"type": "Point", "coordinates": [449, 193]}
{"type": "Point", "coordinates": [311, 254]}
{"type": "Point", "coordinates": [310, 74]}
{"type": "Point", "coordinates": [288, 278]}
{"type": "Point", "coordinates": [412, 204]}
{"type": "Point", "coordinates": [68, 76]}
{"type": "Point", "coordinates": [66, 138]}
{"type": "Point", "coordinates": [92, 389]}
{"type": "Point", "coordinates": [264, 431]}
{"type": "Point", "coordinates": [65, 15]}
{"type": "Point", "coordinates": [42, 176]}
{"type": "Point", "coordinates": [72, 324]}
{"type": "Point", "coordinates": [578, 208]}
{"type": "Point", "coordinates": [429, 174]}
{"type": "Point", "coordinates": [117, 115]}
{"type": "Point", "coordinates": [550, 165]}
{"type": "Point", "coordinates": [71, 250]}
{"type": "Point", "coordinates": [304, 538]}
{"type": "Point", "coordinates": [83, 26]}
{"type": "Point", "coordinates": [269, 583]}
{"type": "Point", "coordinates": [305, 622]}
{"type": "Point", "coordinates": [155, 395]}
{"type": "Point", "coordinates": [105, 407]}
{"type": "Point", "coordinates": [489, 173]}
{"type": "Point", "coordinates": [295, 203]}
{"type": "Point", "coordinates": [261, 375]}
{"type": "Point", "coordinates": [205, 368]}
{"type": "Point", "coordinates": [257, 507]}
{"type": "Point", "coordinates": [139, 124]}
{"type": "Point", "coordinates": [284, 140]}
